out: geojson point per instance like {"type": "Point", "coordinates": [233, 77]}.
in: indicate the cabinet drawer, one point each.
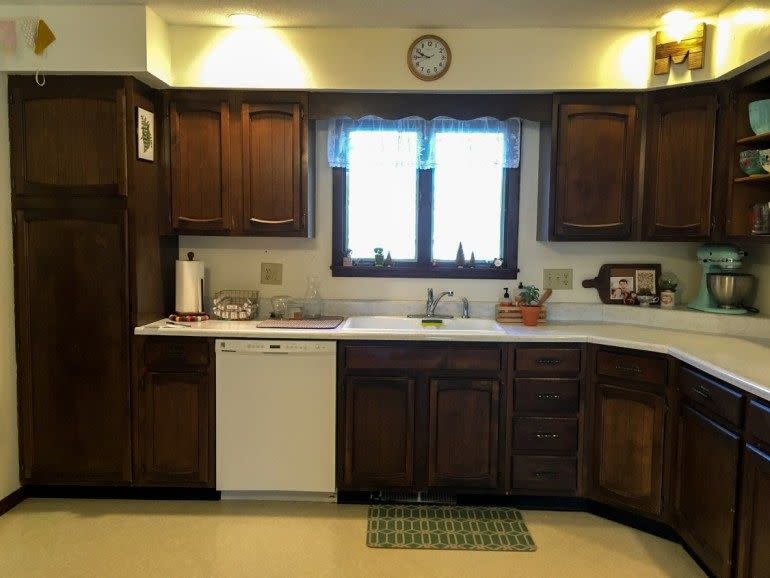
{"type": "Point", "coordinates": [547, 395]}
{"type": "Point", "coordinates": [544, 473]}
{"type": "Point", "coordinates": [758, 420]}
{"type": "Point", "coordinates": [711, 395]}
{"type": "Point", "coordinates": [176, 353]}
{"type": "Point", "coordinates": [652, 370]}
{"type": "Point", "coordinates": [548, 361]}
{"type": "Point", "coordinates": [384, 357]}
{"type": "Point", "coordinates": [547, 434]}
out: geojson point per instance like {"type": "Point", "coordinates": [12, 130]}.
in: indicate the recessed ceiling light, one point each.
{"type": "Point", "coordinates": [244, 19]}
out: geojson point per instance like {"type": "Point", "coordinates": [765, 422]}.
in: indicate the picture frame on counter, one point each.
{"type": "Point", "coordinates": [145, 135]}
{"type": "Point", "coordinates": [622, 284]}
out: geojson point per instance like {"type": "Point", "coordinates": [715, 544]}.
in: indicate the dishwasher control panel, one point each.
{"type": "Point", "coordinates": [274, 346]}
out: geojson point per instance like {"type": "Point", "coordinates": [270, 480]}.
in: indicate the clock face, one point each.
{"type": "Point", "coordinates": [429, 57]}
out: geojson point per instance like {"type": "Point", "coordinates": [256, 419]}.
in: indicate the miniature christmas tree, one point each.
{"type": "Point", "coordinates": [388, 260]}
{"type": "Point", "coordinates": [472, 262]}
{"type": "Point", "coordinates": [460, 259]}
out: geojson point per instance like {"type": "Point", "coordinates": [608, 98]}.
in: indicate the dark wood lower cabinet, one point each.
{"type": "Point", "coordinates": [628, 437]}
{"type": "Point", "coordinates": [463, 431]}
{"type": "Point", "coordinates": [174, 412]}
{"type": "Point", "coordinates": [175, 419]}
{"type": "Point", "coordinates": [379, 432]}
{"type": "Point", "coordinates": [754, 534]}
{"type": "Point", "coordinates": [705, 496]}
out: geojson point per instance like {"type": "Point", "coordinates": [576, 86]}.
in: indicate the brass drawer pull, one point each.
{"type": "Point", "coordinates": [629, 369]}
{"type": "Point", "coordinates": [548, 361]}
{"type": "Point", "coordinates": [702, 391]}
{"type": "Point", "coordinates": [547, 435]}
{"type": "Point", "coordinates": [548, 396]}
{"type": "Point", "coordinates": [545, 475]}
{"type": "Point", "coordinates": [267, 222]}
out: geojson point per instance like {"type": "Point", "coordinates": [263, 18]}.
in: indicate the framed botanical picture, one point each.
{"type": "Point", "coordinates": [623, 284]}
{"type": "Point", "coordinates": [145, 135]}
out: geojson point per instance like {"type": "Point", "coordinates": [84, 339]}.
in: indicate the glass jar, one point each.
{"type": "Point", "coordinates": [313, 303]}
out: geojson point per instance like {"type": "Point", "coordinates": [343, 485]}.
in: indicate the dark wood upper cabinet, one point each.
{"type": "Point", "coordinates": [706, 489]}
{"type": "Point", "coordinates": [628, 448]}
{"type": "Point", "coordinates": [73, 329]}
{"type": "Point", "coordinates": [200, 164]}
{"type": "Point", "coordinates": [274, 182]}
{"type": "Point", "coordinates": [379, 432]}
{"type": "Point", "coordinates": [175, 417]}
{"type": "Point", "coordinates": [463, 435]}
{"type": "Point", "coordinates": [754, 534]}
{"type": "Point", "coordinates": [679, 167]}
{"type": "Point", "coordinates": [595, 165]}
{"type": "Point", "coordinates": [68, 138]}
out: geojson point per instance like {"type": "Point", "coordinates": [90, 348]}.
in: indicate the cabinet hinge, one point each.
{"type": "Point", "coordinates": [304, 219]}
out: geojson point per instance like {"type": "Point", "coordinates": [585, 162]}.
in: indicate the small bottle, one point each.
{"type": "Point", "coordinates": [506, 297]}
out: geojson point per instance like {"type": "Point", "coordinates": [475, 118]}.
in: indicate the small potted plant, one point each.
{"type": "Point", "coordinates": [529, 302]}
{"type": "Point", "coordinates": [667, 293]}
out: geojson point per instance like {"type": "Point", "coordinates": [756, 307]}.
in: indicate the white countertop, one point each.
{"type": "Point", "coordinates": [742, 362]}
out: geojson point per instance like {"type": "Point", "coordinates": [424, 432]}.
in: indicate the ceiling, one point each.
{"type": "Point", "coordinates": [422, 14]}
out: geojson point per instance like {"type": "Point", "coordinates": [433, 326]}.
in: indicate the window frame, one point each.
{"type": "Point", "coordinates": [423, 267]}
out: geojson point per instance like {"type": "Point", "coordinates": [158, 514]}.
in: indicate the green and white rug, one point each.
{"type": "Point", "coordinates": [448, 528]}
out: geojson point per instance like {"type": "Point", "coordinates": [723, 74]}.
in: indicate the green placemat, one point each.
{"type": "Point", "coordinates": [448, 528]}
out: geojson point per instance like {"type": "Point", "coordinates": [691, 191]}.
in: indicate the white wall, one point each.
{"type": "Point", "coordinates": [234, 263]}
{"type": "Point", "coordinates": [106, 39]}
{"type": "Point", "coordinates": [9, 440]}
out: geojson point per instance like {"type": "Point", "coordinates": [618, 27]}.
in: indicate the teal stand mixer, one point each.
{"type": "Point", "coordinates": [721, 261]}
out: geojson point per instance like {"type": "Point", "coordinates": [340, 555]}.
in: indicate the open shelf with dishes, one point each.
{"type": "Point", "coordinates": [747, 190]}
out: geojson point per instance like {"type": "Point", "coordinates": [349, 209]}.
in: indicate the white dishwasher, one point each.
{"type": "Point", "coordinates": [276, 418]}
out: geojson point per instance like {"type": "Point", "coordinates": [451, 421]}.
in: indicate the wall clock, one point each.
{"type": "Point", "coordinates": [429, 57]}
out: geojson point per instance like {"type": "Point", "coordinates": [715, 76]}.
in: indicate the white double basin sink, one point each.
{"type": "Point", "coordinates": [447, 327]}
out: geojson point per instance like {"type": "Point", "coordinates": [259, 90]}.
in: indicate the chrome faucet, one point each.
{"type": "Point", "coordinates": [466, 309]}
{"type": "Point", "coordinates": [431, 303]}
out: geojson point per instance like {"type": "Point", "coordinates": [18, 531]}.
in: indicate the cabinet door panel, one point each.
{"type": "Point", "coordinates": [200, 165]}
{"type": "Point", "coordinates": [628, 447]}
{"type": "Point", "coordinates": [464, 424]}
{"type": "Point", "coordinates": [680, 168]}
{"type": "Point", "coordinates": [707, 479]}
{"type": "Point", "coordinates": [379, 432]}
{"type": "Point", "coordinates": [595, 171]}
{"type": "Point", "coordinates": [69, 140]}
{"type": "Point", "coordinates": [174, 436]}
{"type": "Point", "coordinates": [272, 180]}
{"type": "Point", "coordinates": [73, 376]}
{"type": "Point", "coordinates": [753, 550]}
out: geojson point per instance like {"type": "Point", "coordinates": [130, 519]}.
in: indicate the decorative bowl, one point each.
{"type": "Point", "coordinates": [759, 116]}
{"type": "Point", "coordinates": [764, 159]}
{"type": "Point", "coordinates": [750, 163]}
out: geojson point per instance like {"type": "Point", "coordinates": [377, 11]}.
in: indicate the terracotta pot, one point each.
{"type": "Point", "coordinates": [530, 314]}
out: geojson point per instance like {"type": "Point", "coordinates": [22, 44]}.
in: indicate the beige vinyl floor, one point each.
{"type": "Point", "coordinates": [106, 538]}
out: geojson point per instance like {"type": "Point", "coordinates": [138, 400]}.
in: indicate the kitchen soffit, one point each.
{"type": "Point", "coordinates": [408, 14]}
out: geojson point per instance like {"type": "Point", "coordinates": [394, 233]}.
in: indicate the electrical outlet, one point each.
{"type": "Point", "coordinates": [271, 274]}
{"type": "Point", "coordinates": [557, 279]}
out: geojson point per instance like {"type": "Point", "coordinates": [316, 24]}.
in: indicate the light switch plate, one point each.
{"type": "Point", "coordinates": [557, 279]}
{"type": "Point", "coordinates": [271, 274]}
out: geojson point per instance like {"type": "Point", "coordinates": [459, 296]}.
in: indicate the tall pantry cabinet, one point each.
{"type": "Point", "coordinates": [90, 265]}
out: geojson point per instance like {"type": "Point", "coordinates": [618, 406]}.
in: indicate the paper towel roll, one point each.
{"type": "Point", "coordinates": [189, 286]}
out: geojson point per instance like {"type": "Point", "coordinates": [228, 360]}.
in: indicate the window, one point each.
{"type": "Point", "coordinates": [418, 188]}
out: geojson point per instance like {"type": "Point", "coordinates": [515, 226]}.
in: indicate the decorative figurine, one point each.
{"type": "Point", "coordinates": [388, 260]}
{"type": "Point", "coordinates": [460, 259]}
{"type": "Point", "coordinates": [347, 260]}
{"type": "Point", "coordinates": [472, 262]}
{"type": "Point", "coordinates": [379, 259]}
